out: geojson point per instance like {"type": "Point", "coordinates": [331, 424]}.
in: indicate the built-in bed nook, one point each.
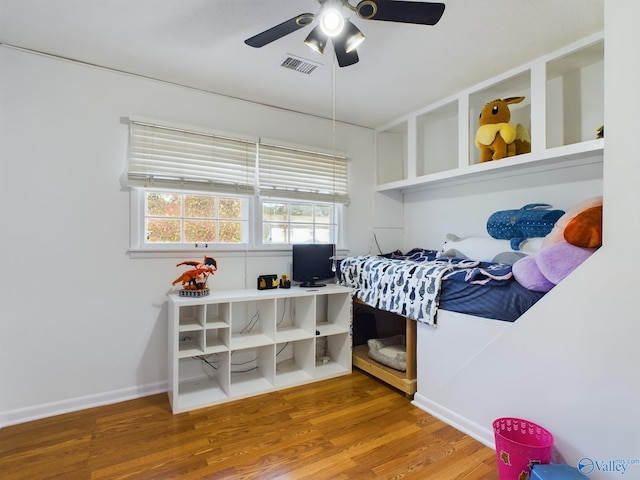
{"type": "Point", "coordinates": [420, 287]}
{"type": "Point", "coordinates": [450, 301]}
{"type": "Point", "coordinates": [413, 287]}
{"type": "Point", "coordinates": [457, 303]}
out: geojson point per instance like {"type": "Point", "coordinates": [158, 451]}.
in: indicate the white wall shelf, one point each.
{"type": "Point", "coordinates": [255, 341]}
{"type": "Point", "coordinates": [562, 110]}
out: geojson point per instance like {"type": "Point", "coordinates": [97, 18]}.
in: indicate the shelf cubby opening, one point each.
{"type": "Point", "coordinates": [218, 315]}
{"type": "Point", "coordinates": [518, 85]}
{"type": "Point", "coordinates": [338, 354]}
{"type": "Point", "coordinates": [252, 323]}
{"type": "Point", "coordinates": [437, 140]}
{"type": "Point", "coordinates": [191, 343]}
{"type": "Point", "coordinates": [295, 318]}
{"type": "Point", "coordinates": [252, 370]}
{"type": "Point", "coordinates": [333, 313]}
{"type": "Point", "coordinates": [391, 153]}
{"type": "Point", "coordinates": [294, 362]}
{"type": "Point", "coordinates": [216, 340]}
{"type": "Point", "coordinates": [192, 316]}
{"type": "Point", "coordinates": [575, 96]}
{"type": "Point", "coordinates": [199, 384]}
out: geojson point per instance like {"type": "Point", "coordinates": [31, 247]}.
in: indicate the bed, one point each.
{"type": "Point", "coordinates": [420, 287]}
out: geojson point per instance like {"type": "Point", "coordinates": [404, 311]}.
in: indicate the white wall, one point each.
{"type": "Point", "coordinates": [82, 322]}
{"type": "Point", "coordinates": [570, 363]}
{"type": "Point", "coordinates": [464, 209]}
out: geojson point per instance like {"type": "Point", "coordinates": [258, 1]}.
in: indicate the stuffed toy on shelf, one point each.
{"type": "Point", "coordinates": [496, 137]}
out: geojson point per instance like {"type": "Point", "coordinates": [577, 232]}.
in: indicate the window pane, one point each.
{"type": "Point", "coordinates": [230, 208]}
{"type": "Point", "coordinates": [161, 230]}
{"type": "Point", "coordinates": [302, 213]}
{"type": "Point", "coordinates": [301, 233]}
{"type": "Point", "coordinates": [182, 218]}
{"type": "Point", "coordinates": [199, 231]}
{"type": "Point", "coordinates": [322, 213]}
{"type": "Point", "coordinates": [199, 206]}
{"type": "Point", "coordinates": [323, 234]}
{"type": "Point", "coordinates": [230, 232]}
{"type": "Point", "coordinates": [164, 204]}
{"type": "Point", "coordinates": [305, 222]}
{"type": "Point", "coordinates": [274, 212]}
{"type": "Point", "coordinates": [275, 233]}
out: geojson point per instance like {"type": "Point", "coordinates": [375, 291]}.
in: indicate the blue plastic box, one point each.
{"type": "Point", "coordinates": [556, 472]}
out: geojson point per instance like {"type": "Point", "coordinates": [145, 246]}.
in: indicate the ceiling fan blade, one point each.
{"type": "Point", "coordinates": [422, 13]}
{"type": "Point", "coordinates": [279, 31]}
{"type": "Point", "coordinates": [344, 59]}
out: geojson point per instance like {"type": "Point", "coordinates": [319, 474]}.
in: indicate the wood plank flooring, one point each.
{"type": "Point", "coordinates": [351, 427]}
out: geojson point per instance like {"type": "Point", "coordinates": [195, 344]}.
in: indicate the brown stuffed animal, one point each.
{"type": "Point", "coordinates": [586, 225]}
{"type": "Point", "coordinates": [585, 229]}
{"type": "Point", "coordinates": [496, 137]}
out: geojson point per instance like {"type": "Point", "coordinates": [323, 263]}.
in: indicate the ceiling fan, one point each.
{"type": "Point", "coordinates": [345, 36]}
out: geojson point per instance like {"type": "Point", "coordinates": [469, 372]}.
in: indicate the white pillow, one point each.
{"type": "Point", "coordinates": [487, 249]}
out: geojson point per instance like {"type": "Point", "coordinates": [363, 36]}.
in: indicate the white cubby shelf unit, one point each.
{"type": "Point", "coordinates": [239, 343]}
{"type": "Point", "coordinates": [563, 109]}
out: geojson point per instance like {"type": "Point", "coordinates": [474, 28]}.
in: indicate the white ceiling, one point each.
{"type": "Point", "coordinates": [200, 44]}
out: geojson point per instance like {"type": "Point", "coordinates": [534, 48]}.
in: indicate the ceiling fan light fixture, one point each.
{"type": "Point", "coordinates": [353, 37]}
{"type": "Point", "coordinates": [331, 23]}
{"type": "Point", "coordinates": [331, 19]}
{"type": "Point", "coordinates": [316, 40]}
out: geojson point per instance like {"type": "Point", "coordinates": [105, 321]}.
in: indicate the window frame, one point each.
{"type": "Point", "coordinates": [138, 231]}
{"type": "Point", "coordinates": [255, 224]}
{"type": "Point", "coordinates": [336, 227]}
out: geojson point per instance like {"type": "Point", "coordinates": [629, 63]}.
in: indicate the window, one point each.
{"type": "Point", "coordinates": [175, 218]}
{"type": "Point", "coordinates": [198, 190]}
{"type": "Point", "coordinates": [303, 193]}
{"type": "Point", "coordinates": [296, 222]}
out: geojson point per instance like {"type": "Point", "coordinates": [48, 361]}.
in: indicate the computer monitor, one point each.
{"type": "Point", "coordinates": [312, 262]}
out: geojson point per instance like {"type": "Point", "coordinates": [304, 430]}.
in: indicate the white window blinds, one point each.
{"type": "Point", "coordinates": [299, 174]}
{"type": "Point", "coordinates": [175, 158]}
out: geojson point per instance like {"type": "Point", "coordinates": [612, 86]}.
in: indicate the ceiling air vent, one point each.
{"type": "Point", "coordinates": [299, 64]}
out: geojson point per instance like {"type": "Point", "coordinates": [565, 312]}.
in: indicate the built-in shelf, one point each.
{"type": "Point", "coordinates": [562, 110]}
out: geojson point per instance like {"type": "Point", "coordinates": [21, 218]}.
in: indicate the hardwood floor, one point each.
{"type": "Point", "coordinates": [352, 427]}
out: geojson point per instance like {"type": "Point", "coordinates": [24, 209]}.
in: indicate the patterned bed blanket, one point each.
{"type": "Point", "coordinates": [406, 287]}
{"type": "Point", "coordinates": [409, 284]}
{"type": "Point", "coordinates": [483, 273]}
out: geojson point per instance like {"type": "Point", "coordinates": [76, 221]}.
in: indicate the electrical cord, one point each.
{"type": "Point", "coordinates": [252, 322]}
{"type": "Point", "coordinates": [284, 309]}
{"type": "Point", "coordinates": [377, 244]}
{"type": "Point", "coordinates": [206, 361]}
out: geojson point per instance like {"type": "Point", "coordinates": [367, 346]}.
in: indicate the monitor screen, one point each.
{"type": "Point", "coordinates": [313, 262]}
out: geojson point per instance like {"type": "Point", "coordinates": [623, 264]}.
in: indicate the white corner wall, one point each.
{"type": "Point", "coordinates": [570, 363]}
{"type": "Point", "coordinates": [82, 322]}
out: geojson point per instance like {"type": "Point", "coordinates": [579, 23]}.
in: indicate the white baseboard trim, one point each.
{"type": "Point", "coordinates": [36, 412]}
{"type": "Point", "coordinates": [463, 424]}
